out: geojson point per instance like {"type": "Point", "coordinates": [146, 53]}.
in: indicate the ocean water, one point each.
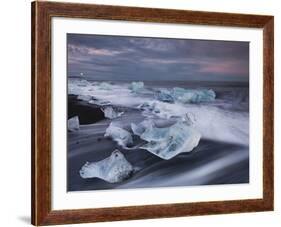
{"type": "Point", "coordinates": [220, 157]}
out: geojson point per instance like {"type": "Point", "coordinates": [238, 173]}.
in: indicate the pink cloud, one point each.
{"type": "Point", "coordinates": [170, 61]}
{"type": "Point", "coordinates": [224, 67]}
{"type": "Point", "coordinates": [92, 50]}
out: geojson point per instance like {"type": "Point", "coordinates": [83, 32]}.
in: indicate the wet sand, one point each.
{"type": "Point", "coordinates": [209, 163]}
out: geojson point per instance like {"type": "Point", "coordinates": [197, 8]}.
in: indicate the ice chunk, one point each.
{"type": "Point", "coordinates": [112, 169]}
{"type": "Point", "coordinates": [141, 127]}
{"type": "Point", "coordinates": [164, 95]}
{"type": "Point", "coordinates": [136, 86]}
{"type": "Point", "coordinates": [83, 83]}
{"type": "Point", "coordinates": [152, 107]}
{"type": "Point", "coordinates": [110, 113]}
{"type": "Point", "coordinates": [170, 141]}
{"type": "Point", "coordinates": [104, 86]}
{"type": "Point", "coordinates": [84, 97]}
{"type": "Point", "coordinates": [185, 95]}
{"type": "Point", "coordinates": [162, 110]}
{"type": "Point", "coordinates": [147, 106]}
{"type": "Point", "coordinates": [193, 95]}
{"type": "Point", "coordinates": [99, 102]}
{"type": "Point", "coordinates": [73, 124]}
{"type": "Point", "coordinates": [118, 134]}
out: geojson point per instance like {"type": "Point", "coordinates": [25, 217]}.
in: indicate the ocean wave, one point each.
{"type": "Point", "coordinates": [214, 117]}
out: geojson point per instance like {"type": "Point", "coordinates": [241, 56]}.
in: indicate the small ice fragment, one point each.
{"type": "Point", "coordinates": [104, 86]}
{"type": "Point", "coordinates": [120, 135]}
{"type": "Point", "coordinates": [73, 124]}
{"type": "Point", "coordinates": [147, 106]}
{"type": "Point", "coordinates": [193, 95]}
{"type": "Point", "coordinates": [84, 97]}
{"type": "Point", "coordinates": [112, 169]}
{"type": "Point", "coordinates": [160, 109]}
{"type": "Point", "coordinates": [83, 83]}
{"type": "Point", "coordinates": [110, 113]}
{"type": "Point", "coordinates": [99, 102]}
{"type": "Point", "coordinates": [164, 95]}
{"type": "Point", "coordinates": [136, 86]}
{"type": "Point", "coordinates": [168, 142]}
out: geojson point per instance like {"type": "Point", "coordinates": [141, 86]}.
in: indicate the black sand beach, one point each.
{"type": "Point", "coordinates": [210, 163]}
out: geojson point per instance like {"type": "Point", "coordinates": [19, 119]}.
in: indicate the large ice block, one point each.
{"type": "Point", "coordinates": [136, 86]}
{"type": "Point", "coordinates": [168, 142]}
{"type": "Point", "coordinates": [113, 169]}
{"type": "Point", "coordinates": [118, 134]}
{"type": "Point", "coordinates": [193, 95]}
{"type": "Point", "coordinates": [185, 95]}
{"type": "Point", "coordinates": [164, 95]}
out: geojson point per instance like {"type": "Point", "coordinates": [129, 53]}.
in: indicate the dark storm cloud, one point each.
{"type": "Point", "coordinates": [131, 58]}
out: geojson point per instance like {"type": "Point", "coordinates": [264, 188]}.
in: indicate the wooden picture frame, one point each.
{"type": "Point", "coordinates": [42, 13]}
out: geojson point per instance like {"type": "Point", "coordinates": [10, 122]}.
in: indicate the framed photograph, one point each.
{"type": "Point", "coordinates": [142, 113]}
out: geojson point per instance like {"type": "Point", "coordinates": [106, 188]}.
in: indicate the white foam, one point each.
{"type": "Point", "coordinates": [213, 122]}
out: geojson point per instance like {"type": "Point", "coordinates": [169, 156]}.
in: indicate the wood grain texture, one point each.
{"type": "Point", "coordinates": [42, 12]}
{"type": "Point", "coordinates": [268, 113]}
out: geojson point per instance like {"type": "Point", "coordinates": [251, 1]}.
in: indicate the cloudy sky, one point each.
{"type": "Point", "coordinates": [136, 58]}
